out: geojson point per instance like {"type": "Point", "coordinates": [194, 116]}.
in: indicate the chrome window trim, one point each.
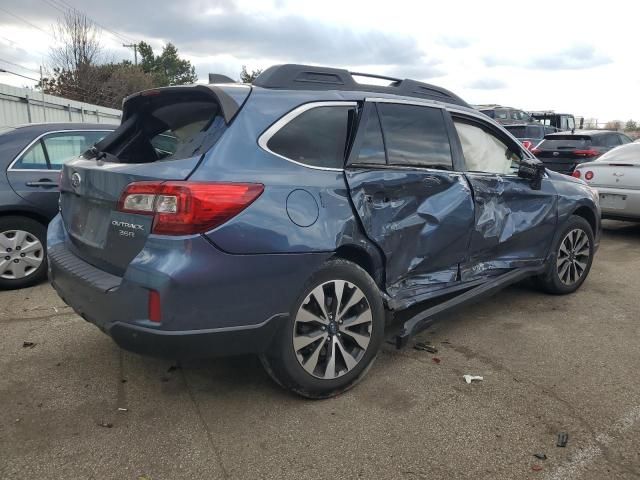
{"type": "Point", "coordinates": [402, 101]}
{"type": "Point", "coordinates": [37, 139]}
{"type": "Point", "coordinates": [263, 140]}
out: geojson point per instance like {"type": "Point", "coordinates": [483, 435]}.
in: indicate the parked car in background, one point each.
{"type": "Point", "coordinates": [505, 115]}
{"type": "Point", "coordinates": [561, 121]}
{"type": "Point", "coordinates": [31, 157]}
{"type": "Point", "coordinates": [563, 151]}
{"type": "Point", "coordinates": [616, 176]}
{"type": "Point", "coordinates": [295, 211]}
{"type": "Point", "coordinates": [529, 134]}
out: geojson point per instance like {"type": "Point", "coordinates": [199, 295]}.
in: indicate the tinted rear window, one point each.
{"type": "Point", "coordinates": [317, 137]}
{"type": "Point", "coordinates": [560, 143]}
{"type": "Point", "coordinates": [415, 135]}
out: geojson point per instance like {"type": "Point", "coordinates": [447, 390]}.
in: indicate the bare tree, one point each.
{"type": "Point", "coordinates": [74, 58]}
{"type": "Point", "coordinates": [79, 41]}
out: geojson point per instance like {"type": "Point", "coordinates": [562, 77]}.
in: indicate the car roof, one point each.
{"type": "Point", "coordinates": [40, 128]}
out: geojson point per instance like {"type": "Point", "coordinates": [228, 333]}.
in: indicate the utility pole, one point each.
{"type": "Point", "coordinates": [44, 109]}
{"type": "Point", "coordinates": [135, 50]}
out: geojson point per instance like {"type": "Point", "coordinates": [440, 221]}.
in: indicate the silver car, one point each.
{"type": "Point", "coordinates": [616, 176]}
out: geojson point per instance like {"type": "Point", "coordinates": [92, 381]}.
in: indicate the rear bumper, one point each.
{"type": "Point", "coordinates": [91, 292]}
{"type": "Point", "coordinates": [630, 210]}
{"type": "Point", "coordinates": [212, 303]}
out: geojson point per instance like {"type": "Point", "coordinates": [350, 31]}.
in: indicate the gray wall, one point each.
{"type": "Point", "coordinates": [22, 105]}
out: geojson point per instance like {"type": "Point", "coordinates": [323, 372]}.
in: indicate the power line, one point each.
{"type": "Point", "coordinates": [2, 70]}
{"type": "Point", "coordinates": [25, 21]}
{"type": "Point", "coordinates": [65, 7]}
{"type": "Point", "coordinates": [13, 42]}
{"type": "Point", "coordinates": [19, 66]}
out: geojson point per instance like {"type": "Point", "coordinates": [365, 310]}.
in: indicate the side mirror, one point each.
{"type": "Point", "coordinates": [532, 170]}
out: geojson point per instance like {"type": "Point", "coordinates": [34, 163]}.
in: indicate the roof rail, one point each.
{"type": "Point", "coordinates": [308, 77]}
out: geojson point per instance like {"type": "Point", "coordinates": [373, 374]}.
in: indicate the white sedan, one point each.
{"type": "Point", "coordinates": [616, 176]}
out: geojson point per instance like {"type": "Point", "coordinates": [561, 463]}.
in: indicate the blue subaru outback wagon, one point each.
{"type": "Point", "coordinates": [291, 218]}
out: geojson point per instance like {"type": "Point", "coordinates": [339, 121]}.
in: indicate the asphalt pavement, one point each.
{"type": "Point", "coordinates": [73, 405]}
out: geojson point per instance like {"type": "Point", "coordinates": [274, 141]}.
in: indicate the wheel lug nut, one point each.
{"type": "Point", "coordinates": [22, 254]}
{"type": "Point", "coordinates": [17, 248]}
{"type": "Point", "coordinates": [8, 250]}
{"type": "Point", "coordinates": [16, 260]}
{"type": "Point", "coordinates": [7, 257]}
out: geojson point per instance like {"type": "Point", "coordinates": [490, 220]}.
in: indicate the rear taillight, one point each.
{"type": "Point", "coordinates": [527, 144]}
{"type": "Point", "coordinates": [535, 151]}
{"type": "Point", "coordinates": [576, 173]}
{"type": "Point", "coordinates": [588, 175]}
{"type": "Point", "coordinates": [587, 153]}
{"type": "Point", "coordinates": [181, 208]}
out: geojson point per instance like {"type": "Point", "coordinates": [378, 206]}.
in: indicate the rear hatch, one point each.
{"type": "Point", "coordinates": [163, 136]}
{"type": "Point", "coordinates": [562, 153]}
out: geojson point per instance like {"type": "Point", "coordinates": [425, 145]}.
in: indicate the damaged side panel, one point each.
{"type": "Point", "coordinates": [514, 224]}
{"type": "Point", "coordinates": [420, 219]}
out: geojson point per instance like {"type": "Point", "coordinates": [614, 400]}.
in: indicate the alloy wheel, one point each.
{"type": "Point", "coordinates": [332, 329]}
{"type": "Point", "coordinates": [573, 256]}
{"type": "Point", "coordinates": [21, 253]}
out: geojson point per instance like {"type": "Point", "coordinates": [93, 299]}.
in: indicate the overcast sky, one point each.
{"type": "Point", "coordinates": [575, 56]}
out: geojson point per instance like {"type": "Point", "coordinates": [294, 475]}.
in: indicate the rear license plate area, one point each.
{"type": "Point", "coordinates": [611, 200]}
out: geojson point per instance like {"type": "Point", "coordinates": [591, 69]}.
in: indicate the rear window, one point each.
{"type": "Point", "coordinates": [167, 126]}
{"type": "Point", "coordinates": [316, 137]}
{"type": "Point", "coordinates": [415, 135]}
{"type": "Point", "coordinates": [566, 143]}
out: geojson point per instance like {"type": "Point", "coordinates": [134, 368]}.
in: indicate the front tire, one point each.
{"type": "Point", "coordinates": [23, 258]}
{"type": "Point", "coordinates": [333, 334]}
{"type": "Point", "coordinates": [572, 259]}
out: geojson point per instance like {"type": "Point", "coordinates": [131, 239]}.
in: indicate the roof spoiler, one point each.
{"type": "Point", "coordinates": [228, 105]}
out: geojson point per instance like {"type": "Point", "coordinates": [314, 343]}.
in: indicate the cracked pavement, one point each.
{"type": "Point", "coordinates": [550, 365]}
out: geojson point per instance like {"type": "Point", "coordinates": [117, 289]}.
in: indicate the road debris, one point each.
{"type": "Point", "coordinates": [436, 360]}
{"type": "Point", "coordinates": [424, 347]}
{"type": "Point", "coordinates": [28, 344]}
{"type": "Point", "coordinates": [470, 378]}
{"type": "Point", "coordinates": [563, 439]}
{"type": "Point", "coordinates": [536, 468]}
{"type": "Point", "coordinates": [122, 409]}
{"type": "Point", "coordinates": [540, 456]}
{"type": "Point", "coordinates": [105, 424]}
{"type": "Point", "coordinates": [173, 368]}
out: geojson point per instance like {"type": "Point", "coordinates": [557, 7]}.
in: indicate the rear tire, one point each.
{"type": "Point", "coordinates": [333, 334]}
{"type": "Point", "coordinates": [572, 258]}
{"type": "Point", "coordinates": [23, 256]}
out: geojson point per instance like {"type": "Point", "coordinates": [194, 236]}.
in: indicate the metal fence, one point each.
{"type": "Point", "coordinates": [22, 105]}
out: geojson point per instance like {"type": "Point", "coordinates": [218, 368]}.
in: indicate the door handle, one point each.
{"type": "Point", "coordinates": [41, 183]}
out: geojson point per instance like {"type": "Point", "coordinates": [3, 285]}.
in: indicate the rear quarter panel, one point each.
{"type": "Point", "coordinates": [301, 210]}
